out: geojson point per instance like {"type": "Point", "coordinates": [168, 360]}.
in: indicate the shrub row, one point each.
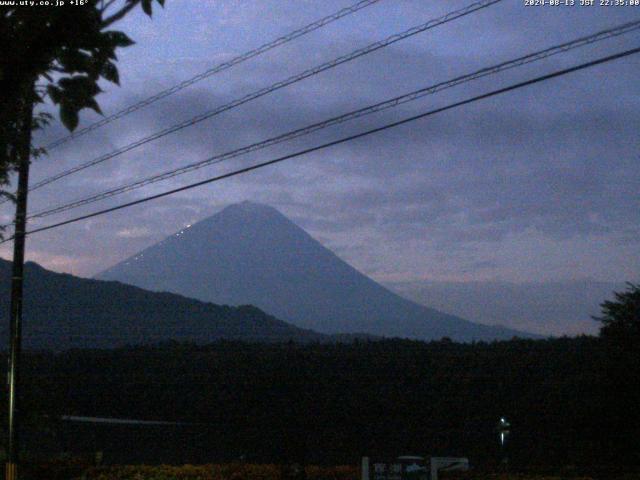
{"type": "Point", "coordinates": [217, 472]}
{"type": "Point", "coordinates": [79, 470]}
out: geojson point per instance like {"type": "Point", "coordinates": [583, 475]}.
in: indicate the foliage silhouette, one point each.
{"type": "Point", "coordinates": [59, 54]}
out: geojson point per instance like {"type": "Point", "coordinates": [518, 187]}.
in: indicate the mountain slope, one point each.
{"type": "Point", "coordinates": [62, 311]}
{"type": "Point", "coordinates": [558, 308]}
{"type": "Point", "coordinates": [251, 253]}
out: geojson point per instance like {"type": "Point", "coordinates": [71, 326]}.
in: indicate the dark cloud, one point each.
{"type": "Point", "coordinates": [557, 161]}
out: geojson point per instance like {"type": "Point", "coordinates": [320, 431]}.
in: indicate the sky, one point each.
{"type": "Point", "coordinates": [535, 186]}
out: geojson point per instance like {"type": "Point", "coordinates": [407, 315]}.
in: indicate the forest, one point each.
{"type": "Point", "coordinates": [570, 401]}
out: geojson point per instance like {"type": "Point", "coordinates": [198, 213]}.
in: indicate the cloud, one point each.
{"type": "Point", "coordinates": [136, 232]}
{"type": "Point", "coordinates": [557, 161]}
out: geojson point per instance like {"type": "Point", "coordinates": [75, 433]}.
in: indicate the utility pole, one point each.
{"type": "Point", "coordinates": [22, 153]}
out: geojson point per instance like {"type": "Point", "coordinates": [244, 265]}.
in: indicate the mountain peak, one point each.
{"type": "Point", "coordinates": [249, 208]}
{"type": "Point", "coordinates": [249, 253]}
{"type": "Point", "coordinates": [243, 214]}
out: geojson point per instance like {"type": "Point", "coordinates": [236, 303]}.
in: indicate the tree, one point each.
{"type": "Point", "coordinates": [620, 372]}
{"type": "Point", "coordinates": [621, 318]}
{"type": "Point", "coordinates": [57, 54]}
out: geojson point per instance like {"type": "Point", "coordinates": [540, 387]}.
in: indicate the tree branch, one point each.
{"type": "Point", "coordinates": [105, 7]}
{"type": "Point", "coordinates": [120, 14]}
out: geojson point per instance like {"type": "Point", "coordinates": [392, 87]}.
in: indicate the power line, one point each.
{"type": "Point", "coordinates": [515, 86]}
{"type": "Point", "coordinates": [276, 86]}
{"type": "Point", "coordinates": [390, 103]}
{"type": "Point", "coordinates": [217, 69]}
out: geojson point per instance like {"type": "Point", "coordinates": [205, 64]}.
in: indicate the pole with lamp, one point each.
{"type": "Point", "coordinates": [503, 429]}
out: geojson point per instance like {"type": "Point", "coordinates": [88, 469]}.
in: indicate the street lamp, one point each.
{"type": "Point", "coordinates": [504, 429]}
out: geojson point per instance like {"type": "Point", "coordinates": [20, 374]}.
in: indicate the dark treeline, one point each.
{"type": "Point", "coordinates": [569, 401]}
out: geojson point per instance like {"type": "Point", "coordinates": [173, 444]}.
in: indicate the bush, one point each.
{"type": "Point", "coordinates": [214, 472]}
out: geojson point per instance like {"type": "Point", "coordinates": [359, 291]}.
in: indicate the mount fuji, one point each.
{"type": "Point", "coordinates": [252, 254]}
